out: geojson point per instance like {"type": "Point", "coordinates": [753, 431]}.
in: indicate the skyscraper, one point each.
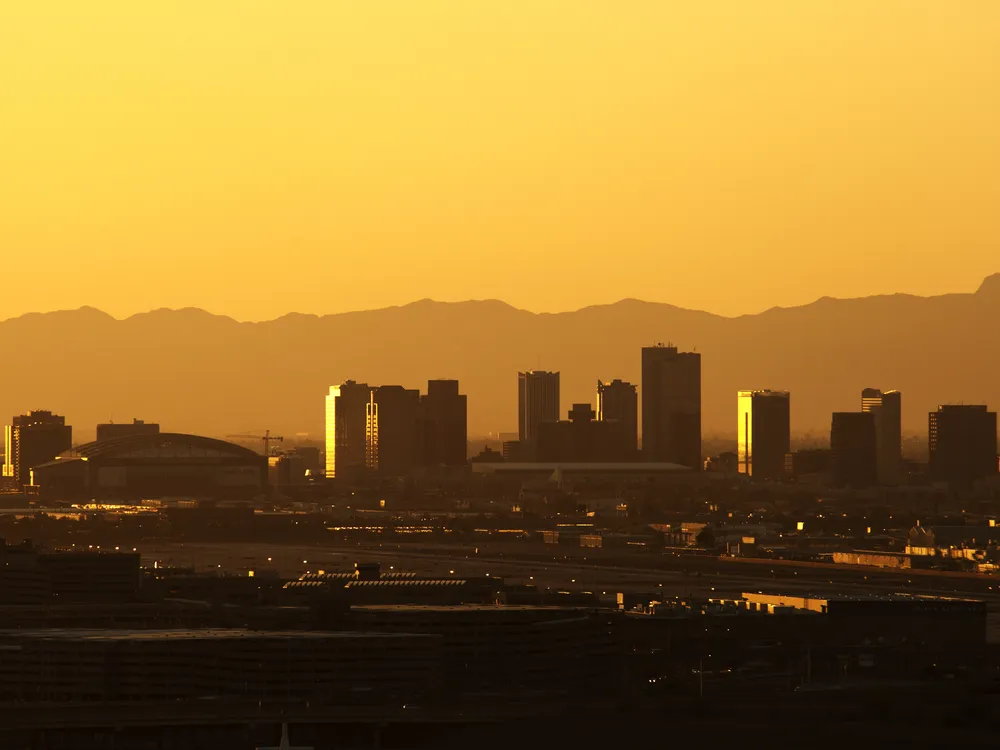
{"type": "Point", "coordinates": [852, 448]}
{"type": "Point", "coordinates": [394, 438]}
{"type": "Point", "coordinates": [764, 432]}
{"type": "Point", "coordinates": [671, 406]}
{"type": "Point", "coordinates": [618, 401]}
{"type": "Point", "coordinates": [963, 443]}
{"type": "Point", "coordinates": [445, 418]}
{"type": "Point", "coordinates": [537, 402]}
{"type": "Point", "coordinates": [583, 439]}
{"type": "Point", "coordinates": [31, 440]}
{"type": "Point", "coordinates": [887, 408]}
{"type": "Point", "coordinates": [347, 427]}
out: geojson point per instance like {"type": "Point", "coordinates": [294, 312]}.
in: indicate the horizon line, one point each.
{"type": "Point", "coordinates": [428, 300]}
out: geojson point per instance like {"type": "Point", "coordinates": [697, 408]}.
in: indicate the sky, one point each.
{"type": "Point", "coordinates": [255, 157]}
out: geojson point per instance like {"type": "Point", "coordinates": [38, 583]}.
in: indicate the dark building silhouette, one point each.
{"type": "Point", "coordinates": [764, 432]}
{"type": "Point", "coordinates": [812, 461]}
{"type": "Point", "coordinates": [582, 439]}
{"type": "Point", "coordinates": [395, 442]}
{"type": "Point", "coordinates": [112, 430]}
{"type": "Point", "coordinates": [309, 456]}
{"type": "Point", "coordinates": [671, 406]}
{"type": "Point", "coordinates": [888, 410]}
{"type": "Point", "coordinates": [151, 466]}
{"type": "Point", "coordinates": [31, 440]}
{"type": "Point", "coordinates": [963, 443]}
{"type": "Point", "coordinates": [853, 449]}
{"type": "Point", "coordinates": [444, 414]}
{"type": "Point", "coordinates": [347, 428]}
{"type": "Point", "coordinates": [537, 402]}
{"type": "Point", "coordinates": [618, 401]}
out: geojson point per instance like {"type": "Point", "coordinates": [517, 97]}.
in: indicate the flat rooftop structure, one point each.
{"type": "Point", "coordinates": [206, 634]}
{"type": "Point", "coordinates": [631, 468]}
{"type": "Point", "coordinates": [446, 608]}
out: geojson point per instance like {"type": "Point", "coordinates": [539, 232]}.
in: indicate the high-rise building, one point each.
{"type": "Point", "coordinates": [537, 402]}
{"type": "Point", "coordinates": [853, 448]}
{"type": "Point", "coordinates": [618, 401]}
{"type": "Point", "coordinates": [445, 418]}
{"type": "Point", "coordinates": [963, 443]}
{"type": "Point", "coordinates": [764, 432]}
{"type": "Point", "coordinates": [671, 406]}
{"type": "Point", "coordinates": [348, 427]}
{"type": "Point", "coordinates": [394, 435]}
{"type": "Point", "coordinates": [112, 430]}
{"type": "Point", "coordinates": [582, 439]}
{"type": "Point", "coordinates": [31, 440]}
{"type": "Point", "coordinates": [888, 411]}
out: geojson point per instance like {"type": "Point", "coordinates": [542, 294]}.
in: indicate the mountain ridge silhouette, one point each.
{"type": "Point", "coordinates": [196, 371]}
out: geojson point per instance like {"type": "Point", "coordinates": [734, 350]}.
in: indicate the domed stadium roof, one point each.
{"type": "Point", "coordinates": [162, 445]}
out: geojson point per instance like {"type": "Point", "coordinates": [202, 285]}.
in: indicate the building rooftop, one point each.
{"type": "Point", "coordinates": [452, 608]}
{"type": "Point", "coordinates": [211, 634]}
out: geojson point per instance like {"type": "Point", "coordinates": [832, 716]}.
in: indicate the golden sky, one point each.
{"type": "Point", "coordinates": [254, 157]}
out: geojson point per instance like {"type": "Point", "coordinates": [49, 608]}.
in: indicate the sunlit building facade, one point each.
{"type": "Point", "coordinates": [349, 425]}
{"type": "Point", "coordinates": [31, 440]}
{"type": "Point", "coordinates": [764, 432]}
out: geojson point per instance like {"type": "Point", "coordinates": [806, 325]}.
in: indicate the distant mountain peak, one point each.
{"type": "Point", "coordinates": [990, 286]}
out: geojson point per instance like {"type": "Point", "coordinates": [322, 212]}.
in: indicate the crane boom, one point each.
{"type": "Point", "coordinates": [266, 438]}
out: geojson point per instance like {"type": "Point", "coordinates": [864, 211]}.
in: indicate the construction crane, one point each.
{"type": "Point", "coordinates": [266, 438]}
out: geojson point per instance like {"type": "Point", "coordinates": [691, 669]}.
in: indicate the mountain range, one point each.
{"type": "Point", "coordinates": [193, 371]}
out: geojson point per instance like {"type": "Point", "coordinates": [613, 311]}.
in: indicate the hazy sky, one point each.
{"type": "Point", "coordinates": [258, 156]}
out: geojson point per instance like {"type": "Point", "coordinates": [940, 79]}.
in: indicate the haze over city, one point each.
{"type": "Point", "coordinates": [499, 373]}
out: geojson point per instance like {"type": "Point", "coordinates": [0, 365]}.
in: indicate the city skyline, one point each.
{"type": "Point", "coordinates": [197, 370]}
{"type": "Point", "coordinates": [301, 314]}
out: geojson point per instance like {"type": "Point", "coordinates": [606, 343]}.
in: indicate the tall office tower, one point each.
{"type": "Point", "coordinates": [583, 439]}
{"type": "Point", "coordinates": [764, 432]}
{"type": "Point", "coordinates": [853, 448]}
{"type": "Point", "coordinates": [445, 418]}
{"type": "Point", "coordinates": [537, 402]}
{"type": "Point", "coordinates": [394, 437]}
{"type": "Point", "coordinates": [347, 427]}
{"type": "Point", "coordinates": [112, 430]}
{"type": "Point", "coordinates": [671, 406]}
{"type": "Point", "coordinates": [31, 440]}
{"type": "Point", "coordinates": [888, 410]}
{"type": "Point", "coordinates": [963, 443]}
{"type": "Point", "coordinates": [617, 401]}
